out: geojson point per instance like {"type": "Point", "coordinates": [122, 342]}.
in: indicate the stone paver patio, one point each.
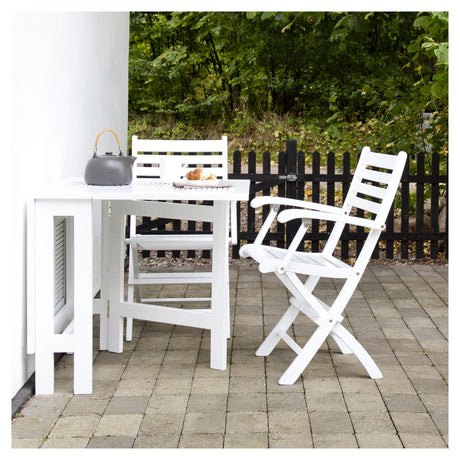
{"type": "Point", "coordinates": [161, 393]}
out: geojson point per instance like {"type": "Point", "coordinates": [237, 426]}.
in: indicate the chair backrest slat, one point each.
{"type": "Point", "coordinates": [365, 205]}
{"type": "Point", "coordinates": [371, 190]}
{"type": "Point", "coordinates": [376, 176]}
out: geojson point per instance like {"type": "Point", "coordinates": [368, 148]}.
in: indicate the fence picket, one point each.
{"type": "Point", "coordinates": [315, 197]}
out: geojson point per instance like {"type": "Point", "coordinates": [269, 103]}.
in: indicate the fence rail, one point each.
{"type": "Point", "coordinates": [414, 229]}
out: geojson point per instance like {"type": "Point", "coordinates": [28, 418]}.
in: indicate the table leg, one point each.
{"type": "Point", "coordinates": [104, 296]}
{"type": "Point", "coordinates": [79, 259]}
{"type": "Point", "coordinates": [116, 278]}
{"type": "Point", "coordinates": [42, 250]}
{"type": "Point", "coordinates": [83, 298]}
{"type": "Point", "coordinates": [220, 293]}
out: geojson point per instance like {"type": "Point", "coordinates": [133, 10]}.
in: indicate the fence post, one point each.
{"type": "Point", "coordinates": [291, 183]}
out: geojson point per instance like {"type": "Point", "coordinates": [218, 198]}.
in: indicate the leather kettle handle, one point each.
{"type": "Point", "coordinates": [116, 137]}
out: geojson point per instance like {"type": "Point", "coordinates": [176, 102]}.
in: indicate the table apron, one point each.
{"type": "Point", "coordinates": [168, 210]}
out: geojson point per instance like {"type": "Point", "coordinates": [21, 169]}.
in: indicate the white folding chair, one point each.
{"type": "Point", "coordinates": [152, 155]}
{"type": "Point", "coordinates": [373, 189]}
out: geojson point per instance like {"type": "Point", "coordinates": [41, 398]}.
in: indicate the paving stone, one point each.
{"type": "Point", "coordinates": [66, 443]}
{"type": "Point", "coordinates": [378, 440]}
{"type": "Point", "coordinates": [252, 402]}
{"type": "Point", "coordinates": [321, 385]}
{"type": "Point", "coordinates": [246, 440]}
{"type": "Point", "coordinates": [413, 422]}
{"type": "Point", "coordinates": [245, 385]}
{"type": "Point", "coordinates": [292, 402]}
{"type": "Point", "coordinates": [435, 402]}
{"type": "Point", "coordinates": [330, 422]}
{"type": "Point", "coordinates": [75, 425]}
{"type": "Point", "coordinates": [45, 404]}
{"type": "Point", "coordinates": [157, 441]}
{"type": "Point", "coordinates": [202, 441]}
{"type": "Point", "coordinates": [119, 425]}
{"type": "Point", "coordinates": [288, 422]}
{"type": "Point", "coordinates": [204, 422]}
{"type": "Point", "coordinates": [247, 422]}
{"type": "Point", "coordinates": [135, 387]}
{"type": "Point", "coordinates": [368, 422]}
{"type": "Point", "coordinates": [395, 385]}
{"type": "Point", "coordinates": [369, 402]}
{"type": "Point", "coordinates": [430, 385]}
{"type": "Point", "coordinates": [336, 441]}
{"type": "Point", "coordinates": [161, 423]}
{"type": "Point", "coordinates": [167, 404]}
{"type": "Point", "coordinates": [403, 403]}
{"type": "Point", "coordinates": [441, 420]}
{"type": "Point", "coordinates": [422, 441]}
{"type": "Point", "coordinates": [209, 385]}
{"type": "Point", "coordinates": [26, 443]}
{"type": "Point", "coordinates": [422, 372]}
{"type": "Point", "coordinates": [172, 386]}
{"type": "Point", "coordinates": [85, 404]}
{"type": "Point", "coordinates": [290, 440]}
{"type": "Point", "coordinates": [127, 405]}
{"type": "Point", "coordinates": [112, 442]}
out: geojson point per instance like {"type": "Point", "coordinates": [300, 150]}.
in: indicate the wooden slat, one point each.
{"type": "Point", "coordinates": [371, 190]}
{"type": "Point", "coordinates": [366, 205]}
{"type": "Point", "coordinates": [376, 176]}
{"type": "Point", "coordinates": [381, 160]}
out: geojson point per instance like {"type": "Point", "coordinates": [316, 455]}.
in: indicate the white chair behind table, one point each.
{"type": "Point", "coordinates": [373, 189]}
{"type": "Point", "coordinates": [185, 155]}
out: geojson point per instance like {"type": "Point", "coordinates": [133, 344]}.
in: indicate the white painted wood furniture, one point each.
{"type": "Point", "coordinates": [373, 189]}
{"type": "Point", "coordinates": [170, 160]}
{"type": "Point", "coordinates": [71, 332]}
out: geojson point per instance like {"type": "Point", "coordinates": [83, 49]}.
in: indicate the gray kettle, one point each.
{"type": "Point", "coordinates": [109, 169]}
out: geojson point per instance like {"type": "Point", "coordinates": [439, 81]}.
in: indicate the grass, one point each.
{"type": "Point", "coordinates": [248, 133]}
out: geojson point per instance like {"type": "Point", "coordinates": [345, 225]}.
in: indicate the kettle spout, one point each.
{"type": "Point", "coordinates": [131, 159]}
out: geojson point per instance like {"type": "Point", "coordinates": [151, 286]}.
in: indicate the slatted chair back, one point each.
{"type": "Point", "coordinates": [210, 155]}
{"type": "Point", "coordinates": [372, 190]}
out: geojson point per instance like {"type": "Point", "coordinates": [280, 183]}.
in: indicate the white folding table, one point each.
{"type": "Point", "coordinates": [74, 200]}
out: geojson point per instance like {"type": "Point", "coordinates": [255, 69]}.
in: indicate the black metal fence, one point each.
{"type": "Point", "coordinates": [416, 228]}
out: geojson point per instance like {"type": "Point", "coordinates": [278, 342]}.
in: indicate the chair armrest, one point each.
{"type": "Point", "coordinates": [290, 214]}
{"type": "Point", "coordinates": [280, 201]}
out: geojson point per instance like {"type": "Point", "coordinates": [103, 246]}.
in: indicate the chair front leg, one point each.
{"type": "Point", "coordinates": [303, 358]}
{"type": "Point", "coordinates": [356, 348]}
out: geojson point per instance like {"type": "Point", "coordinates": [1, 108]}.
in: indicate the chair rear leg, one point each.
{"type": "Point", "coordinates": [134, 291]}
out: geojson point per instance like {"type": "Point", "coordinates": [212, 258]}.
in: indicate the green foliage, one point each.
{"type": "Point", "coordinates": [336, 79]}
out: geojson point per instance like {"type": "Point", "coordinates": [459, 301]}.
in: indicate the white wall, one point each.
{"type": "Point", "coordinates": [69, 81]}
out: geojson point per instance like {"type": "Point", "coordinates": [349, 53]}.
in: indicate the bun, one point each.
{"type": "Point", "coordinates": [196, 174]}
{"type": "Point", "coordinates": [200, 174]}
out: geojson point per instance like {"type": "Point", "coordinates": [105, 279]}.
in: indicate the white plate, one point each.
{"type": "Point", "coordinates": [200, 183]}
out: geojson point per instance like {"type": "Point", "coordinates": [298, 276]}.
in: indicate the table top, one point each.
{"type": "Point", "coordinates": [143, 189]}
